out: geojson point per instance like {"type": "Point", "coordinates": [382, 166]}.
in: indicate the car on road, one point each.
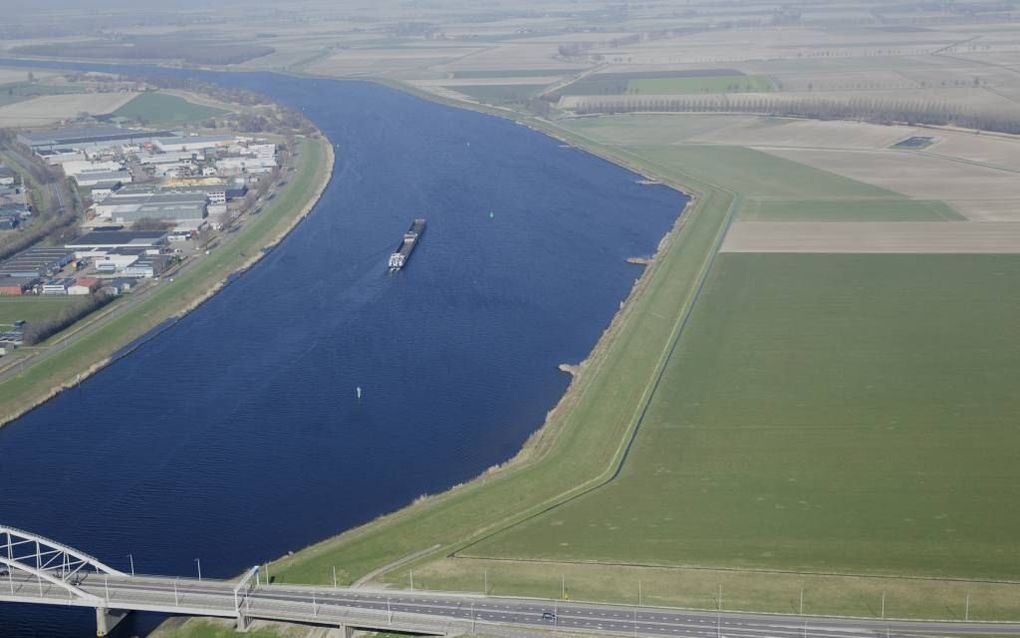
{"type": "Point", "coordinates": [548, 615]}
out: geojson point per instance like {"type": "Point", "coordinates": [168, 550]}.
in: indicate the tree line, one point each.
{"type": "Point", "coordinates": [42, 329]}
{"type": "Point", "coordinates": [864, 109]}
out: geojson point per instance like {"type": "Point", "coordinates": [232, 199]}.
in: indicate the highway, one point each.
{"type": "Point", "coordinates": [451, 614]}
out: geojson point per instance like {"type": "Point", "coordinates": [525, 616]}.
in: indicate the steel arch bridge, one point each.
{"type": "Point", "coordinates": [49, 562]}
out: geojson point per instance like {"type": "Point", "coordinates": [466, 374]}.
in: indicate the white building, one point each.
{"type": "Point", "coordinates": [239, 165]}
{"type": "Point", "coordinates": [114, 262]}
{"type": "Point", "coordinates": [166, 158]}
{"type": "Point", "coordinates": [103, 178]}
{"type": "Point", "coordinates": [60, 156]}
{"type": "Point", "coordinates": [78, 167]}
{"type": "Point", "coordinates": [193, 142]}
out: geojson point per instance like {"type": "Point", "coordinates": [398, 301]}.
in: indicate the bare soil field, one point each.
{"type": "Point", "coordinates": [988, 210]}
{"type": "Point", "coordinates": [1000, 151]}
{"type": "Point", "coordinates": [382, 60]}
{"type": "Point", "coordinates": [913, 174]}
{"type": "Point", "coordinates": [48, 109]}
{"type": "Point", "coordinates": [806, 134]}
{"type": "Point", "coordinates": [873, 237]}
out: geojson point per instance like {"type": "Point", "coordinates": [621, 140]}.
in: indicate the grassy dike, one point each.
{"type": "Point", "coordinates": [101, 339]}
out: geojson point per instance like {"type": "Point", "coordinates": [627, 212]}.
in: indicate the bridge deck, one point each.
{"type": "Point", "coordinates": [449, 614]}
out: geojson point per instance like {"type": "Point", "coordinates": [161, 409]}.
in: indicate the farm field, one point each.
{"type": "Point", "coordinates": [30, 308]}
{"type": "Point", "coordinates": [758, 174]}
{"type": "Point", "coordinates": [668, 83]}
{"type": "Point", "coordinates": [858, 236]}
{"type": "Point", "coordinates": [500, 93]}
{"type": "Point", "coordinates": [916, 174]}
{"type": "Point", "coordinates": [163, 108]}
{"type": "Point", "coordinates": [874, 210]}
{"type": "Point", "coordinates": [822, 413]}
{"type": "Point", "coordinates": [47, 109]}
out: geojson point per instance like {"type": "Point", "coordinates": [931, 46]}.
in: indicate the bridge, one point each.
{"type": "Point", "coordinates": [37, 570]}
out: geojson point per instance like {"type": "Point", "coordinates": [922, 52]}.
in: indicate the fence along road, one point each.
{"type": "Point", "coordinates": [37, 570]}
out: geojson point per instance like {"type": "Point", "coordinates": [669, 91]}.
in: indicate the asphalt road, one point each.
{"type": "Point", "coordinates": [468, 613]}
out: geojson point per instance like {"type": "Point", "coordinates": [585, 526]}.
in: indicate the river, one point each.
{"type": "Point", "coordinates": [235, 435]}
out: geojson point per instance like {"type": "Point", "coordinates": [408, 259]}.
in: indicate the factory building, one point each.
{"type": "Point", "coordinates": [104, 240]}
{"type": "Point", "coordinates": [16, 286]}
{"type": "Point", "coordinates": [7, 176]}
{"type": "Point", "coordinates": [192, 143]}
{"type": "Point", "coordinates": [87, 137]}
{"type": "Point", "coordinates": [36, 262]}
{"type": "Point", "coordinates": [128, 207]}
{"type": "Point", "coordinates": [103, 178]}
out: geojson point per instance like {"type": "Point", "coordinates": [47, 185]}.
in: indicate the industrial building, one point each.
{"type": "Point", "coordinates": [84, 286]}
{"type": "Point", "coordinates": [36, 262]}
{"type": "Point", "coordinates": [114, 239]}
{"type": "Point", "coordinates": [93, 136]}
{"type": "Point", "coordinates": [125, 207]}
{"type": "Point", "coordinates": [7, 176]}
{"type": "Point", "coordinates": [56, 286]}
{"type": "Point", "coordinates": [192, 142]}
{"type": "Point", "coordinates": [16, 286]}
{"type": "Point", "coordinates": [251, 165]}
{"type": "Point", "coordinates": [103, 178]}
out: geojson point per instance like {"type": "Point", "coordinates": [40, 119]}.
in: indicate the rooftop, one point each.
{"type": "Point", "coordinates": [118, 238]}
{"type": "Point", "coordinates": [86, 135]}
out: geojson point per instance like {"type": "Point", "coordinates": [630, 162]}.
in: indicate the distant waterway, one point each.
{"type": "Point", "coordinates": [235, 435]}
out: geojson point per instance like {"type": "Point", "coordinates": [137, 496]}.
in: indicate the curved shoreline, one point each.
{"type": "Point", "coordinates": [73, 376]}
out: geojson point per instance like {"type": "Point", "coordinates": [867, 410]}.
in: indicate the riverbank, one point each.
{"type": "Point", "coordinates": [92, 346]}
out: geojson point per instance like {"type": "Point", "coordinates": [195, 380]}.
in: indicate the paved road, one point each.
{"type": "Point", "coordinates": [459, 613]}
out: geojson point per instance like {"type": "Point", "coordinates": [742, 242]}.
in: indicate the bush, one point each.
{"type": "Point", "coordinates": [39, 331]}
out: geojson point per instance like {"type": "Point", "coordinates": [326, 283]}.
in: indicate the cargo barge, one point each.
{"type": "Point", "coordinates": [399, 257]}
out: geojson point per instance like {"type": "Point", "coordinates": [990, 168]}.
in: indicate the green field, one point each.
{"type": "Point", "coordinates": [500, 93]}
{"type": "Point", "coordinates": [881, 210]}
{"type": "Point", "coordinates": [30, 308]}
{"type": "Point", "coordinates": [822, 413]}
{"type": "Point", "coordinates": [164, 108]}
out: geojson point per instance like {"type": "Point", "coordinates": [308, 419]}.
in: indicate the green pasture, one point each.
{"type": "Point", "coordinates": [30, 308]}
{"type": "Point", "coordinates": [500, 93]}
{"type": "Point", "coordinates": [164, 108]}
{"type": "Point", "coordinates": [823, 413]}
{"type": "Point", "coordinates": [756, 174]}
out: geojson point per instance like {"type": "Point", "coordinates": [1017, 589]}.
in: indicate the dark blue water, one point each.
{"type": "Point", "coordinates": [235, 435]}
